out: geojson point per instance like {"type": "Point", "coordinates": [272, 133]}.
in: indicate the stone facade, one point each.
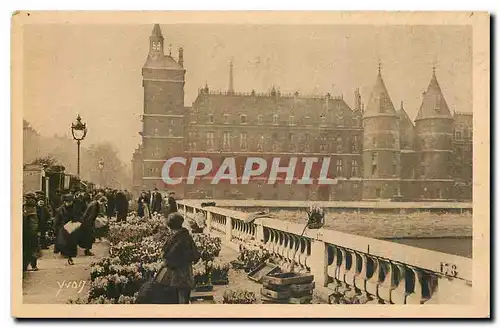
{"type": "Point", "coordinates": [377, 152]}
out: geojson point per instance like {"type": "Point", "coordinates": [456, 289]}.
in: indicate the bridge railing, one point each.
{"type": "Point", "coordinates": [386, 271]}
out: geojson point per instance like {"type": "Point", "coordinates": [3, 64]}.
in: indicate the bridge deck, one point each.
{"type": "Point", "coordinates": [334, 204]}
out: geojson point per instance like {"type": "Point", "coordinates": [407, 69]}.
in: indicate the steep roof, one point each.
{"type": "Point", "coordinates": [299, 106]}
{"type": "Point", "coordinates": [380, 103]}
{"type": "Point", "coordinates": [157, 31]}
{"type": "Point", "coordinates": [406, 129]}
{"type": "Point", "coordinates": [433, 103]}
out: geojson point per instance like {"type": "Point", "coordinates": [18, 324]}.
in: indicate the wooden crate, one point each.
{"type": "Point", "coordinates": [274, 294]}
{"type": "Point", "coordinates": [288, 278]}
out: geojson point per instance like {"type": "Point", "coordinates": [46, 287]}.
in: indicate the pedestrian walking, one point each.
{"type": "Point", "coordinates": [121, 206]}
{"type": "Point", "coordinates": [67, 238]}
{"type": "Point", "coordinates": [87, 230]}
{"type": "Point", "coordinates": [30, 233]}
{"type": "Point", "coordinates": [44, 214]}
{"type": "Point", "coordinates": [156, 201]}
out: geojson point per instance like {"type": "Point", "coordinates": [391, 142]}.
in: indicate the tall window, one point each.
{"type": "Point", "coordinates": [243, 119]}
{"type": "Point", "coordinates": [210, 118]}
{"type": "Point", "coordinates": [226, 140]}
{"type": "Point", "coordinates": [307, 142]}
{"type": "Point", "coordinates": [260, 143]}
{"type": "Point", "coordinates": [226, 118]}
{"type": "Point", "coordinates": [243, 141]}
{"type": "Point", "coordinates": [374, 164]}
{"type": "Point", "coordinates": [354, 144]}
{"type": "Point", "coordinates": [339, 145]}
{"type": "Point", "coordinates": [291, 120]}
{"type": "Point", "coordinates": [395, 164]}
{"type": "Point", "coordinates": [458, 135]}
{"type": "Point", "coordinates": [323, 147]}
{"type": "Point", "coordinates": [275, 119]}
{"type": "Point", "coordinates": [291, 144]}
{"type": "Point", "coordinates": [275, 141]}
{"type": "Point", "coordinates": [307, 120]}
{"type": "Point", "coordinates": [339, 168]}
{"type": "Point", "coordinates": [210, 140]}
{"type": "Point", "coordinates": [354, 168]}
{"type": "Point", "coordinates": [260, 119]}
{"type": "Point", "coordinates": [322, 119]}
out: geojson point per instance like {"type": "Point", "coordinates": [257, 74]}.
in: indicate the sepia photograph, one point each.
{"type": "Point", "coordinates": [277, 164]}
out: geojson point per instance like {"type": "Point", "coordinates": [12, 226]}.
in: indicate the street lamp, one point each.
{"type": "Point", "coordinates": [79, 131]}
{"type": "Point", "coordinates": [101, 167]}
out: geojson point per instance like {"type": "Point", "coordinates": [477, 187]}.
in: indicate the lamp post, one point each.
{"type": "Point", "coordinates": [101, 167]}
{"type": "Point", "coordinates": [79, 131]}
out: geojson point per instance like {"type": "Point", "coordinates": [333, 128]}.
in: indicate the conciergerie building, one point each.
{"type": "Point", "coordinates": [374, 151]}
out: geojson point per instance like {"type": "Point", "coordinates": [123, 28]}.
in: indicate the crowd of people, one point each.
{"type": "Point", "coordinates": [72, 220]}
{"type": "Point", "coordinates": [68, 218]}
{"type": "Point", "coordinates": [153, 202]}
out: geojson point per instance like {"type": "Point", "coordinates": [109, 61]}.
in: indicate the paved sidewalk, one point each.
{"type": "Point", "coordinates": [56, 281]}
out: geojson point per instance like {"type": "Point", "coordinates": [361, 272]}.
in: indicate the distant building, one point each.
{"type": "Point", "coordinates": [377, 152]}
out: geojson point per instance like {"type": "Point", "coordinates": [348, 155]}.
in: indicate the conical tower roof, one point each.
{"type": "Point", "coordinates": [433, 103]}
{"type": "Point", "coordinates": [157, 31]}
{"type": "Point", "coordinates": [380, 103]}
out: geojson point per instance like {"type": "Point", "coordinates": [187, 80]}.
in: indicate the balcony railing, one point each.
{"type": "Point", "coordinates": [389, 272]}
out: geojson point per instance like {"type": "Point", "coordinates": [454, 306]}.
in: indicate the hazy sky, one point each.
{"type": "Point", "coordinates": [96, 70]}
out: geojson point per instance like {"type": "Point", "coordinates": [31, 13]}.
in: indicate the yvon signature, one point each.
{"type": "Point", "coordinates": [71, 284]}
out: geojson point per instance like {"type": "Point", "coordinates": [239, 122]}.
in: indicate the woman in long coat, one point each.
{"type": "Point", "coordinates": [121, 206]}
{"type": "Point", "coordinates": [87, 229]}
{"type": "Point", "coordinates": [179, 254]}
{"type": "Point", "coordinates": [66, 243]}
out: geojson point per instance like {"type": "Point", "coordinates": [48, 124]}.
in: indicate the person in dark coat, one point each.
{"type": "Point", "coordinates": [155, 202]}
{"type": "Point", "coordinates": [44, 214]}
{"type": "Point", "coordinates": [30, 232]}
{"type": "Point", "coordinates": [142, 204]}
{"type": "Point", "coordinates": [87, 229]}
{"type": "Point", "coordinates": [110, 195]}
{"type": "Point", "coordinates": [79, 205]}
{"type": "Point", "coordinates": [172, 204]}
{"type": "Point", "coordinates": [121, 206]}
{"type": "Point", "coordinates": [179, 255]}
{"type": "Point", "coordinates": [66, 244]}
{"type": "Point", "coordinates": [56, 200]}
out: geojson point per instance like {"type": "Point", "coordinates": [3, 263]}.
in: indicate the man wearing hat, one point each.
{"type": "Point", "coordinates": [43, 213]}
{"type": "Point", "coordinates": [30, 232]}
{"type": "Point", "coordinates": [66, 244]}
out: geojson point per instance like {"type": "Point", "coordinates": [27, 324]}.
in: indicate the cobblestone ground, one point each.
{"type": "Point", "coordinates": [56, 281]}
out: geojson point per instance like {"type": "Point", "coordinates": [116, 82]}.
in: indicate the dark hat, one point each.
{"type": "Point", "coordinates": [67, 198]}
{"type": "Point", "coordinates": [30, 195]}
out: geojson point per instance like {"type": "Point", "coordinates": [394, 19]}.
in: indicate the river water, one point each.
{"type": "Point", "coordinates": [461, 246]}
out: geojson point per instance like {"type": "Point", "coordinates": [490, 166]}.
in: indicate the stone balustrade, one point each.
{"type": "Point", "coordinates": [381, 271]}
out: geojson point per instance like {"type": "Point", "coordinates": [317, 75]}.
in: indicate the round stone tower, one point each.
{"type": "Point", "coordinates": [381, 150]}
{"type": "Point", "coordinates": [434, 132]}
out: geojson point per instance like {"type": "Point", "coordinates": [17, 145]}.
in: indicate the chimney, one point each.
{"type": "Point", "coordinates": [230, 89]}
{"type": "Point", "coordinates": [181, 56]}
